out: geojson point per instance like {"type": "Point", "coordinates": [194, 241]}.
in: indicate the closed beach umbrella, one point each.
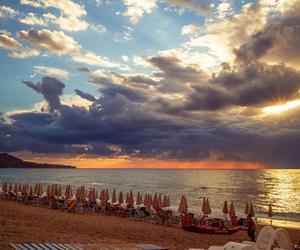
{"type": "Point", "coordinates": [78, 194]}
{"type": "Point", "coordinates": [148, 205]}
{"type": "Point", "coordinates": [164, 203]}
{"type": "Point", "coordinates": [247, 208]}
{"type": "Point", "coordinates": [225, 209]}
{"type": "Point", "coordinates": [106, 195]}
{"type": "Point", "coordinates": [139, 199]}
{"type": "Point", "coordinates": [48, 190]}
{"type": "Point", "coordinates": [232, 210]}
{"type": "Point", "coordinates": [183, 206]}
{"type": "Point", "coordinates": [251, 211]}
{"type": "Point", "coordinates": [35, 189]}
{"type": "Point", "coordinates": [55, 190]}
{"type": "Point", "coordinates": [31, 191]}
{"type": "Point", "coordinates": [16, 188]}
{"type": "Point", "coordinates": [207, 209]}
{"type": "Point", "coordinates": [131, 199]}
{"type": "Point", "coordinates": [203, 205]}
{"type": "Point", "coordinates": [20, 188]}
{"type": "Point", "coordinates": [52, 191]}
{"type": "Point", "coordinates": [114, 196]}
{"type": "Point", "coordinates": [168, 202]}
{"type": "Point", "coordinates": [120, 198]}
{"type": "Point", "coordinates": [67, 194]}
{"type": "Point", "coordinates": [270, 213]}
{"type": "Point", "coordinates": [10, 187]}
{"type": "Point", "coordinates": [4, 187]}
{"type": "Point", "coordinates": [145, 199]}
{"type": "Point", "coordinates": [127, 198]}
{"type": "Point", "coordinates": [102, 196]}
{"type": "Point", "coordinates": [159, 201]}
{"type": "Point", "coordinates": [155, 201]}
{"type": "Point", "coordinates": [40, 190]}
{"type": "Point", "coordinates": [59, 191]}
{"type": "Point", "coordinates": [26, 189]}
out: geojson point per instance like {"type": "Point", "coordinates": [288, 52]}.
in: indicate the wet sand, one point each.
{"type": "Point", "coordinates": [20, 223]}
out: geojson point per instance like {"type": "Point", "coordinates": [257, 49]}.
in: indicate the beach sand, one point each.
{"type": "Point", "coordinates": [20, 223]}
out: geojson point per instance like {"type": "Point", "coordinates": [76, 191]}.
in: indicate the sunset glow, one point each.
{"type": "Point", "coordinates": [156, 83]}
{"type": "Point", "coordinates": [281, 108]}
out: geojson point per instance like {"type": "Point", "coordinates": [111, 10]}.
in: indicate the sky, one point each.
{"type": "Point", "coordinates": [152, 83]}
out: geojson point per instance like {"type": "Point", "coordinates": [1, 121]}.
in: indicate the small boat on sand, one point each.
{"type": "Point", "coordinates": [208, 226]}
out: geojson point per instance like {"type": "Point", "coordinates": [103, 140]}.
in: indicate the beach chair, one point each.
{"type": "Point", "coordinates": [268, 239]}
{"type": "Point", "coordinates": [44, 246]}
{"type": "Point", "coordinates": [263, 240]}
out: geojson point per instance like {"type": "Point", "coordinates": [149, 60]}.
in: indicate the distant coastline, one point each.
{"type": "Point", "coordinates": [10, 161]}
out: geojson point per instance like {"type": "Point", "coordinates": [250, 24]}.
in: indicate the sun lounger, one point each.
{"type": "Point", "coordinates": [44, 246]}
{"type": "Point", "coordinates": [57, 246]}
{"type": "Point", "coordinates": [150, 247]}
{"type": "Point", "coordinates": [267, 239]}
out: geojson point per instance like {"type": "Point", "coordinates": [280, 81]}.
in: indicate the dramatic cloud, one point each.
{"type": "Point", "coordinates": [85, 95]}
{"type": "Point", "coordinates": [54, 41]}
{"type": "Point", "coordinates": [176, 77]}
{"type": "Point", "coordinates": [52, 72]}
{"type": "Point", "coordinates": [202, 100]}
{"type": "Point", "coordinates": [18, 51]}
{"type": "Point", "coordinates": [278, 41]}
{"type": "Point", "coordinates": [256, 84]}
{"type": "Point", "coordinates": [51, 89]}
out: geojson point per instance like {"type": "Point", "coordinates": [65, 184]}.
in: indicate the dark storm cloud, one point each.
{"type": "Point", "coordinates": [51, 88]}
{"type": "Point", "coordinates": [86, 96]}
{"type": "Point", "coordinates": [279, 41]}
{"type": "Point", "coordinates": [114, 84]}
{"type": "Point", "coordinates": [249, 85]}
{"type": "Point", "coordinates": [176, 77]}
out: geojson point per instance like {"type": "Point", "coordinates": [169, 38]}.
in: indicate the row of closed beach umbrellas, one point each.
{"type": "Point", "coordinates": [206, 210]}
{"type": "Point", "coordinates": [156, 201]}
{"type": "Point", "coordinates": [83, 194]}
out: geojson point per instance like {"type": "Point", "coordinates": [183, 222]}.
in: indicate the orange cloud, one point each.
{"type": "Point", "coordinates": [125, 162]}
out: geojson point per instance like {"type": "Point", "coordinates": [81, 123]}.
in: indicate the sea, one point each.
{"type": "Point", "coordinates": [281, 188]}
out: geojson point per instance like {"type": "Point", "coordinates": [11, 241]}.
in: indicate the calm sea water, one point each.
{"type": "Point", "coordinates": [281, 188]}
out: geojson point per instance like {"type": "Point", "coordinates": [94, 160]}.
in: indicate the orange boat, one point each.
{"type": "Point", "coordinates": [208, 226]}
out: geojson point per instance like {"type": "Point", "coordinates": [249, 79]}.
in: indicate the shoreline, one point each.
{"type": "Point", "coordinates": [21, 223]}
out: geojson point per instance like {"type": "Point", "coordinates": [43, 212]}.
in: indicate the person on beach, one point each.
{"type": "Point", "coordinates": [251, 228]}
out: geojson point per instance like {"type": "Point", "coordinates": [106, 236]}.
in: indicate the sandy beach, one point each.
{"type": "Point", "coordinates": [20, 223]}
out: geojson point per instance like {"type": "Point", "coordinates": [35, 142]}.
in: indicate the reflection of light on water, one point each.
{"type": "Point", "coordinates": [281, 189]}
{"type": "Point", "coordinates": [279, 223]}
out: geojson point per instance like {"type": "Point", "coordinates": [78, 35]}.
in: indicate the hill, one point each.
{"type": "Point", "coordinates": [10, 161]}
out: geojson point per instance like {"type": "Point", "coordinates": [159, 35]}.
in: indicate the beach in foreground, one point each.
{"type": "Point", "coordinates": [20, 223]}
